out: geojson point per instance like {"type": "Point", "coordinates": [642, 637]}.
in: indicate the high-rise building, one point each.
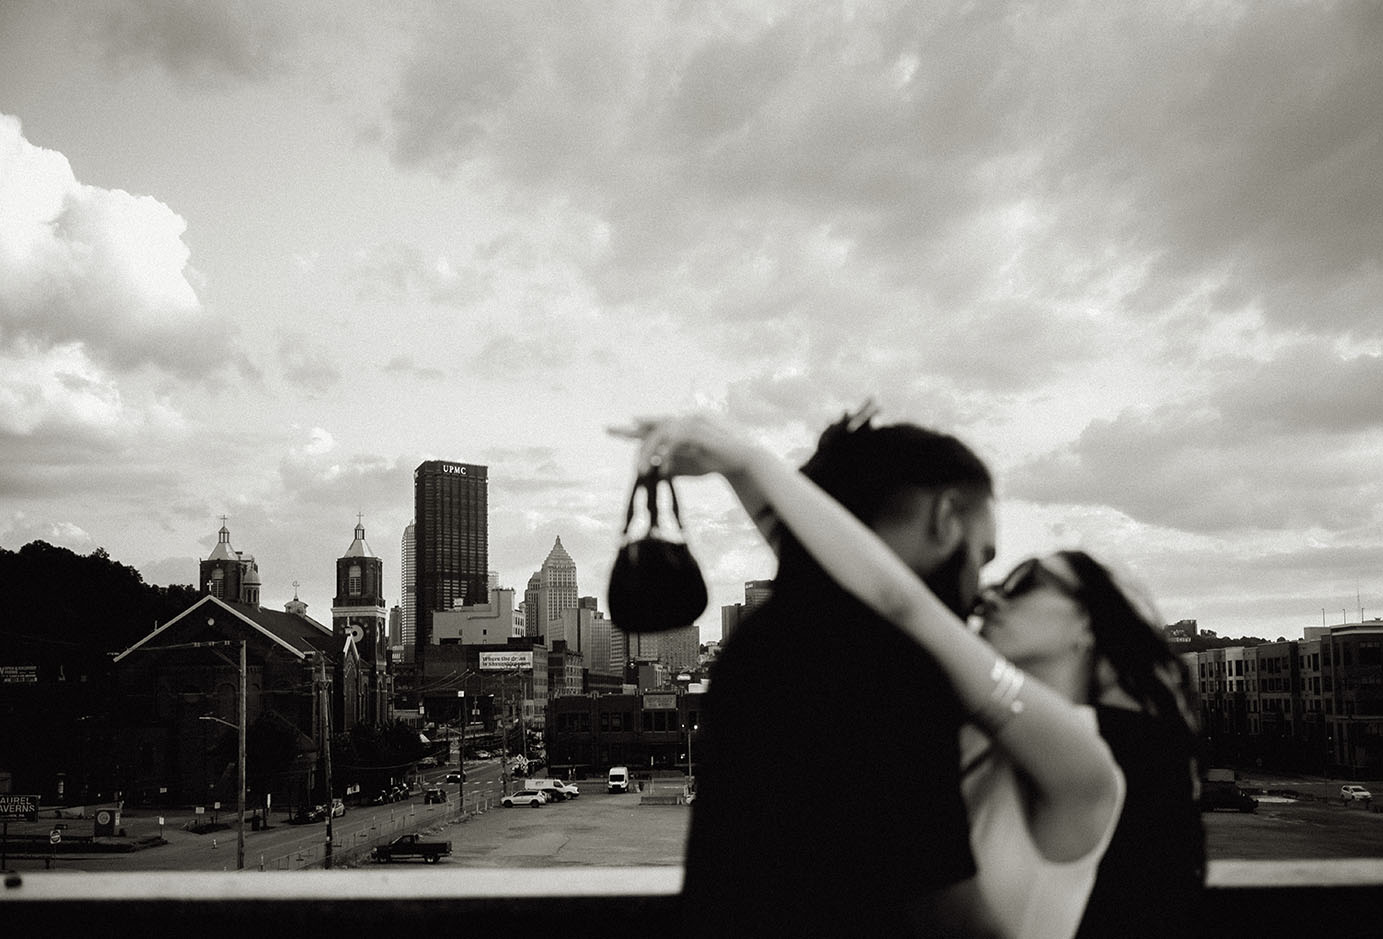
{"type": "Point", "coordinates": [551, 590]}
{"type": "Point", "coordinates": [598, 644]}
{"type": "Point", "coordinates": [531, 594]}
{"type": "Point", "coordinates": [756, 594]}
{"type": "Point", "coordinates": [679, 649]}
{"type": "Point", "coordinates": [409, 623]}
{"type": "Point", "coordinates": [730, 617]}
{"type": "Point", "coordinates": [451, 542]}
{"type": "Point", "coordinates": [586, 630]}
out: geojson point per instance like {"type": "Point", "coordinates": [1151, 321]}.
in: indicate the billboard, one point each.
{"type": "Point", "coordinates": [506, 661]}
{"type": "Point", "coordinates": [18, 806]}
{"type": "Point", "coordinates": [660, 702]}
{"type": "Point", "coordinates": [19, 674]}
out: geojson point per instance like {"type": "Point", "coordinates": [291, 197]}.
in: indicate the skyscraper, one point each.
{"type": "Point", "coordinates": [756, 594]}
{"type": "Point", "coordinates": [555, 592]}
{"type": "Point", "coordinates": [679, 649]}
{"type": "Point", "coordinates": [409, 619]}
{"type": "Point", "coordinates": [451, 541]}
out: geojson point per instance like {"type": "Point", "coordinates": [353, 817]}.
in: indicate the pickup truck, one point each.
{"type": "Point", "coordinates": [406, 846]}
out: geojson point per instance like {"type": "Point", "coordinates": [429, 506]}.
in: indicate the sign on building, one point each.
{"type": "Point", "coordinates": [17, 806]}
{"type": "Point", "coordinates": [19, 674]}
{"type": "Point", "coordinates": [506, 661]}
{"type": "Point", "coordinates": [660, 702]}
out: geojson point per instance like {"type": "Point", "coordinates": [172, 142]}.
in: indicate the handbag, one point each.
{"type": "Point", "coordinates": [655, 583]}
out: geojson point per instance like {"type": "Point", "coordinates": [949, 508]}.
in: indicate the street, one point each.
{"type": "Point", "coordinates": [603, 830]}
{"type": "Point", "coordinates": [280, 846]}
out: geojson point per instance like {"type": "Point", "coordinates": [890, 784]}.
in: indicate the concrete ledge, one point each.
{"type": "Point", "coordinates": [1258, 899]}
{"type": "Point", "coordinates": [663, 800]}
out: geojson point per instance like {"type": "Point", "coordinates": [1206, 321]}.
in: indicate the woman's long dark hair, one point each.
{"type": "Point", "coordinates": [1129, 637]}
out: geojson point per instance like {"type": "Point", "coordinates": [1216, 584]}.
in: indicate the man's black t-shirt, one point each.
{"type": "Point", "coordinates": [828, 795]}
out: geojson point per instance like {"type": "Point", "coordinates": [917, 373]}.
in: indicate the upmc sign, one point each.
{"type": "Point", "coordinates": [455, 469]}
{"type": "Point", "coordinates": [15, 806]}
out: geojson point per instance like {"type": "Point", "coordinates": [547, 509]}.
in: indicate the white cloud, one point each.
{"type": "Point", "coordinates": [20, 529]}
{"type": "Point", "coordinates": [80, 264]}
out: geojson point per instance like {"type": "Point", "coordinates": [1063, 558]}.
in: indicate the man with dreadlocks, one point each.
{"type": "Point", "coordinates": [838, 706]}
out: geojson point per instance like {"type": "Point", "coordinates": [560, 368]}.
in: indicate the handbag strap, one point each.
{"type": "Point", "coordinates": [648, 482]}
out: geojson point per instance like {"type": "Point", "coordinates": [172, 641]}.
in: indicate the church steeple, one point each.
{"type": "Point", "coordinates": [358, 612]}
{"type": "Point", "coordinates": [227, 574]}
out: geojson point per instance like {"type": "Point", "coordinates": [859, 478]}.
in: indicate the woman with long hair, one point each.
{"type": "Point", "coordinates": [1111, 655]}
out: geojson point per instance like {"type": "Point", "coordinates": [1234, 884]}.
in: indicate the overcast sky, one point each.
{"type": "Point", "coordinates": [262, 259]}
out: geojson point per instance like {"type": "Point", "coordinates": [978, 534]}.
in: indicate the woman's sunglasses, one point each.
{"type": "Point", "coordinates": [1031, 574]}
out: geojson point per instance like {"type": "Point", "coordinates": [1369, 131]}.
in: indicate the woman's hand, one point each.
{"type": "Point", "coordinates": [693, 445]}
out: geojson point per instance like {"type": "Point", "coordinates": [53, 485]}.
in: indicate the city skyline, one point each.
{"type": "Point", "coordinates": [262, 260]}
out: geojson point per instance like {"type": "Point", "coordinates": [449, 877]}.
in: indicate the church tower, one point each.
{"type": "Point", "coordinates": [359, 610]}
{"type": "Point", "coordinates": [229, 575]}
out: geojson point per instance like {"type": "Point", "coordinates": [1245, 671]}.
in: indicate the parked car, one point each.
{"type": "Point", "coordinates": [338, 808]}
{"type": "Point", "coordinates": [568, 787]}
{"type": "Point", "coordinates": [1353, 793]}
{"type": "Point", "coordinates": [483, 754]}
{"type": "Point", "coordinates": [434, 795]}
{"type": "Point", "coordinates": [411, 846]}
{"type": "Point", "coordinates": [454, 777]}
{"type": "Point", "coordinates": [427, 762]}
{"type": "Point", "coordinates": [306, 815]}
{"type": "Point", "coordinates": [1221, 796]}
{"type": "Point", "coordinates": [398, 793]}
{"type": "Point", "coordinates": [619, 779]}
{"type": "Point", "coordinates": [533, 797]}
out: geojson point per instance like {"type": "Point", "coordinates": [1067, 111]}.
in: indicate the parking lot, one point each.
{"type": "Point", "coordinates": [597, 829]}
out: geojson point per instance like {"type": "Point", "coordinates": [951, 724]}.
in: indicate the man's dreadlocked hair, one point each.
{"type": "Point", "coordinates": [865, 468]}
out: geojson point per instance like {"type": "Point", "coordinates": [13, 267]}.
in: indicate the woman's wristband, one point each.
{"type": "Point", "coordinates": [1003, 703]}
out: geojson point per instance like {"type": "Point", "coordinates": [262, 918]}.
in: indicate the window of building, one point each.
{"type": "Point", "coordinates": [353, 581]}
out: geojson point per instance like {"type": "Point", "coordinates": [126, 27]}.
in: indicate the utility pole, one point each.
{"type": "Point", "coordinates": [240, 794]}
{"type": "Point", "coordinates": [503, 739]}
{"type": "Point", "coordinates": [326, 752]}
{"type": "Point", "coordinates": [461, 749]}
{"type": "Point", "coordinates": [523, 731]}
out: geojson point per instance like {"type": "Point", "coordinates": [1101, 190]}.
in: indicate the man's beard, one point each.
{"type": "Point", "coordinates": [944, 581]}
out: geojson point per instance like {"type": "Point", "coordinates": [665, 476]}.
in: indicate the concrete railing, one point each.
{"type": "Point", "coordinates": [1338, 898]}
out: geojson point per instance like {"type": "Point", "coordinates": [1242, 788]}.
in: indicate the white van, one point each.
{"type": "Point", "coordinates": [619, 779]}
{"type": "Point", "coordinates": [556, 792]}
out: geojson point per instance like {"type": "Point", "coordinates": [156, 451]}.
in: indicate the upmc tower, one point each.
{"type": "Point", "coordinates": [451, 537]}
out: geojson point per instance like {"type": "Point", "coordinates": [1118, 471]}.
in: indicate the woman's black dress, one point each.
{"type": "Point", "coordinates": [1151, 878]}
